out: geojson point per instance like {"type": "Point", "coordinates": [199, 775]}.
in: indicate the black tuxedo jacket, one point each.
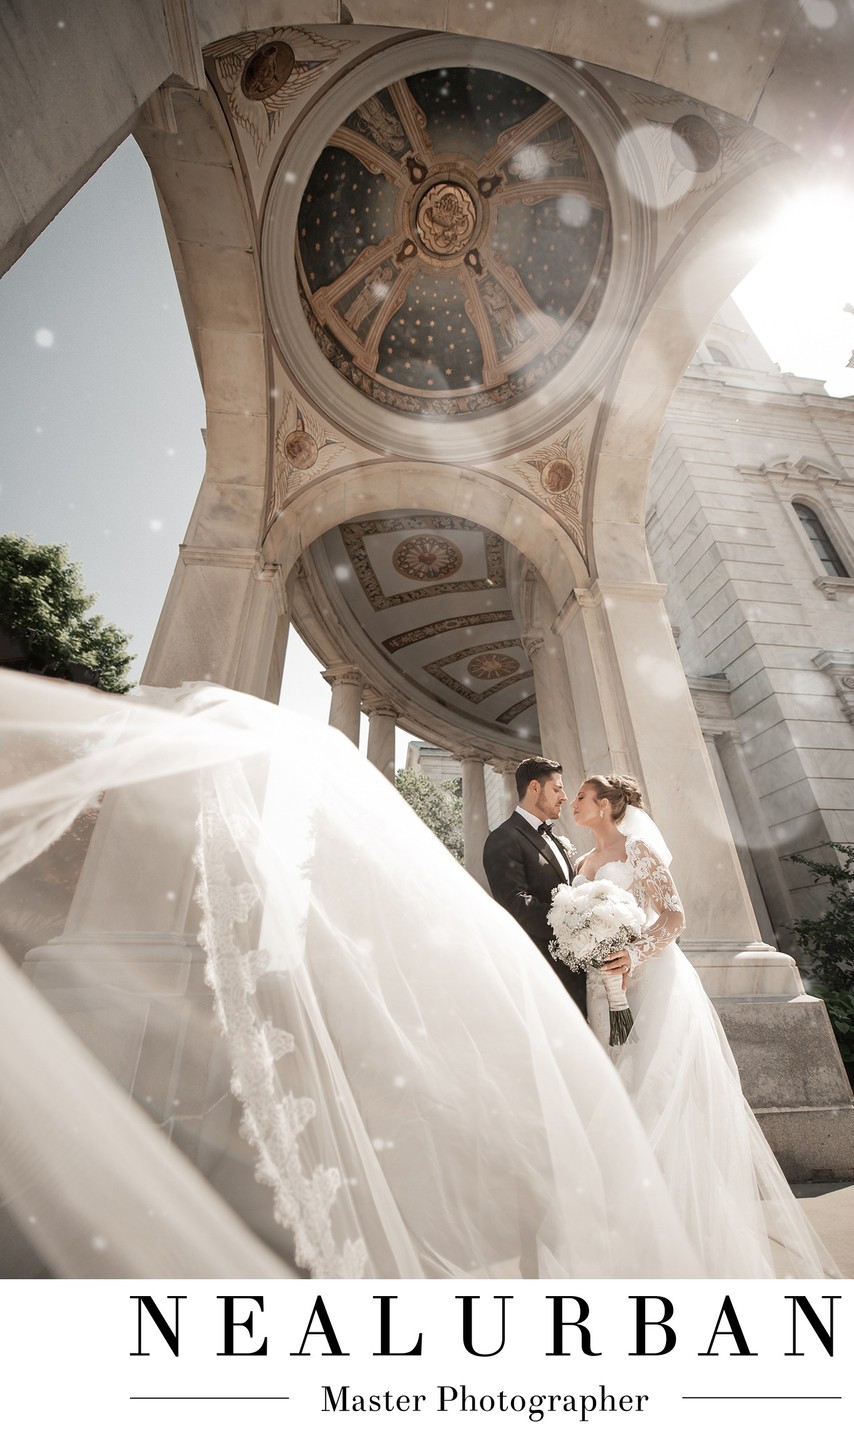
{"type": "Point", "coordinates": [523, 873]}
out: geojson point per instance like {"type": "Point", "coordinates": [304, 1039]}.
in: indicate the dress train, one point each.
{"type": "Point", "coordinates": [679, 1071]}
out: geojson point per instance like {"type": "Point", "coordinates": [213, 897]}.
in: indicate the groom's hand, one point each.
{"type": "Point", "coordinates": [619, 963]}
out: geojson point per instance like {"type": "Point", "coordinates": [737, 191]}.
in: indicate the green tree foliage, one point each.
{"type": "Point", "coordinates": [440, 808]}
{"type": "Point", "coordinates": [44, 610]}
{"type": "Point", "coordinates": [829, 943]}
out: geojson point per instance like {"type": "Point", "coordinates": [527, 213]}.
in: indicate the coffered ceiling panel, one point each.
{"type": "Point", "coordinates": [428, 594]}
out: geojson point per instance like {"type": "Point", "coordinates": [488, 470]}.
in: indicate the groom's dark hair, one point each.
{"type": "Point", "coordinates": [534, 769]}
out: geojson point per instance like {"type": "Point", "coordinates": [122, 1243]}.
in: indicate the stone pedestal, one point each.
{"type": "Point", "coordinates": [795, 1082]}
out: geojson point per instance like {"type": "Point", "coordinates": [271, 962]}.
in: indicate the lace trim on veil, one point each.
{"type": "Point", "coordinates": [272, 1119]}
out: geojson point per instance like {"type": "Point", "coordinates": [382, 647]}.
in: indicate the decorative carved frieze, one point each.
{"type": "Point", "coordinates": [690, 146]}
{"type": "Point", "coordinates": [374, 704]}
{"type": "Point", "coordinates": [304, 449]}
{"type": "Point", "coordinates": [262, 73]}
{"type": "Point", "coordinates": [343, 674]}
{"type": "Point", "coordinates": [555, 474]}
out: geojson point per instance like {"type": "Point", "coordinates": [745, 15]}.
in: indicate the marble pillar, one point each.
{"type": "Point", "coordinates": [711, 737]}
{"type": "Point", "coordinates": [636, 715]}
{"type": "Point", "coordinates": [475, 823]}
{"type": "Point", "coordinates": [507, 773]}
{"type": "Point", "coordinates": [555, 695]}
{"type": "Point", "coordinates": [382, 719]}
{"type": "Point", "coordinates": [757, 835]}
{"type": "Point", "coordinates": [225, 620]}
{"type": "Point", "coordinates": [345, 708]}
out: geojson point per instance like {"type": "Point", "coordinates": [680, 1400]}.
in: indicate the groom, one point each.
{"type": "Point", "coordinates": [525, 861]}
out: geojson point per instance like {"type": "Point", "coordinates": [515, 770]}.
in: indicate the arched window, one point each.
{"type": "Point", "coordinates": [824, 549]}
{"type": "Point", "coordinates": [718, 356]}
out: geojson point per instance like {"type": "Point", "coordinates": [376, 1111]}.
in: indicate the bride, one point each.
{"type": "Point", "coordinates": [413, 1096]}
{"type": "Point", "coordinates": [677, 1066]}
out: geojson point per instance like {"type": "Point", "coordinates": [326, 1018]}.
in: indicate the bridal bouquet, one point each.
{"type": "Point", "coordinates": [590, 923]}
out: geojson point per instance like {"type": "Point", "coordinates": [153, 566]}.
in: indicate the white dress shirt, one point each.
{"type": "Point", "coordinates": [547, 837]}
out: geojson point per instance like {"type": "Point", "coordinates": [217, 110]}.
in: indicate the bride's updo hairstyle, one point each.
{"type": "Point", "coordinates": [619, 790]}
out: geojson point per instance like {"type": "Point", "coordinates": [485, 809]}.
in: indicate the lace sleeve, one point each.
{"type": "Point", "coordinates": [653, 886]}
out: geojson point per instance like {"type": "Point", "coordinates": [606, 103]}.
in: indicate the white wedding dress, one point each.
{"type": "Point", "coordinates": [418, 1093]}
{"type": "Point", "coordinates": [679, 1071]}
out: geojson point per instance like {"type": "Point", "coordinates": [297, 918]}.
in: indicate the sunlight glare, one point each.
{"type": "Point", "coordinates": [796, 295]}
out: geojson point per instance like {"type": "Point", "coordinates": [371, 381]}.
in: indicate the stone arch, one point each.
{"type": "Point", "coordinates": [212, 242]}
{"type": "Point", "coordinates": [701, 272]}
{"type": "Point", "coordinates": [540, 546]}
{"type": "Point", "coordinates": [363, 488]}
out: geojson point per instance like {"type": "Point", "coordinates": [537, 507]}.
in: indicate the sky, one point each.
{"type": "Point", "coordinates": [102, 409]}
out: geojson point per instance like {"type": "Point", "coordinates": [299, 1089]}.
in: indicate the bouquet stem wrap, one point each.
{"type": "Point", "coordinates": [591, 922]}
{"type": "Point", "coordinates": [618, 1005]}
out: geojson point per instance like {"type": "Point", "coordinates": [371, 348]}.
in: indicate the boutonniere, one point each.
{"type": "Point", "coordinates": [566, 846]}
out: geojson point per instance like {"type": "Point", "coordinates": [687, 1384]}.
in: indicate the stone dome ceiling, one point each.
{"type": "Point", "coordinates": [453, 243]}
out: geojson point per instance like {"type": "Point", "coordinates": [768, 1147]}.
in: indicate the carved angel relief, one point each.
{"type": "Point", "coordinates": [304, 450]}
{"type": "Point", "coordinates": [692, 145]}
{"type": "Point", "coordinates": [263, 72]}
{"type": "Point", "coordinates": [556, 475]}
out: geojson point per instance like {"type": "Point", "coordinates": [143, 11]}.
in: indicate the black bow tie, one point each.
{"type": "Point", "coordinates": [544, 829]}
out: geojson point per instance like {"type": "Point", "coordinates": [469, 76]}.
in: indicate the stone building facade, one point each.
{"type": "Point", "coordinates": [750, 524]}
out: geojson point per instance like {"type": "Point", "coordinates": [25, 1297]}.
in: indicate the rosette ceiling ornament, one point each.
{"type": "Point", "coordinates": [453, 243]}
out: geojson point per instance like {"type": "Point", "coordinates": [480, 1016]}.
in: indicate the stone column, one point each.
{"type": "Point", "coordinates": [765, 859]}
{"type": "Point", "coordinates": [382, 718]}
{"type": "Point", "coordinates": [345, 709]}
{"type": "Point", "coordinates": [636, 715]}
{"type": "Point", "coordinates": [225, 620]}
{"type": "Point", "coordinates": [507, 771]}
{"type": "Point", "coordinates": [711, 737]}
{"type": "Point", "coordinates": [556, 697]}
{"type": "Point", "coordinates": [475, 824]}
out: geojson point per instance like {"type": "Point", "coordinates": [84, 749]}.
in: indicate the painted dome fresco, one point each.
{"type": "Point", "coordinates": [453, 243]}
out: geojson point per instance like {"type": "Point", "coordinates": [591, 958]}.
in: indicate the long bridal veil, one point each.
{"type": "Point", "coordinates": [260, 931]}
{"type": "Point", "coordinates": [417, 1097]}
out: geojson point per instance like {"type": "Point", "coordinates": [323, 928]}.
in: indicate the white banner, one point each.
{"type": "Point", "coordinates": [137, 1355]}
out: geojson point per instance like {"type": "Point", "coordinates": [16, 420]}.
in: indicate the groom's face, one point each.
{"type": "Point", "coordinates": [550, 797]}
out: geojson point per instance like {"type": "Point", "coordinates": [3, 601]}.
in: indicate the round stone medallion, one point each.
{"type": "Point", "coordinates": [695, 144]}
{"type": "Point", "coordinates": [445, 219]}
{"type": "Point", "coordinates": [267, 70]}
{"type": "Point", "coordinates": [558, 475]}
{"type": "Point", "coordinates": [426, 559]}
{"type": "Point", "coordinates": [490, 665]}
{"type": "Point", "coordinates": [300, 449]}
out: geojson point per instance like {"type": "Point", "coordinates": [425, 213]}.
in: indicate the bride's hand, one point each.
{"type": "Point", "coordinates": [619, 963]}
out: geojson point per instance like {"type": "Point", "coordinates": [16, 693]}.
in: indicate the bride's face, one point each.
{"type": "Point", "coordinates": [586, 807]}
